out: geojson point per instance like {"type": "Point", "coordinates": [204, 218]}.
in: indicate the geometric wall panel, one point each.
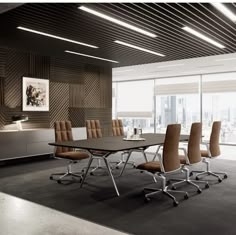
{"type": "Point", "coordinates": [105, 88]}
{"type": "Point", "coordinates": [77, 117]}
{"type": "Point", "coordinates": [76, 95]}
{"type": "Point", "coordinates": [16, 68]}
{"type": "Point", "coordinates": [3, 52]}
{"type": "Point", "coordinates": [77, 91]}
{"type": "Point", "coordinates": [65, 70]}
{"type": "Point", "coordinates": [59, 102]}
{"type": "Point", "coordinates": [92, 87]}
{"type": "Point", "coordinates": [39, 66]}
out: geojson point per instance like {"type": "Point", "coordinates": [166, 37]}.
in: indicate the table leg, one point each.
{"type": "Point", "coordinates": [112, 178]}
{"type": "Point", "coordinates": [127, 159]}
{"type": "Point", "coordinates": [145, 156]}
{"type": "Point", "coordinates": [86, 172]}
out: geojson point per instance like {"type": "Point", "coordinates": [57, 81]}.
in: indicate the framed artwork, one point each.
{"type": "Point", "coordinates": [35, 94]}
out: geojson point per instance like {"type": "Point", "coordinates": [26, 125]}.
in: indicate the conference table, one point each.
{"type": "Point", "coordinates": [106, 146]}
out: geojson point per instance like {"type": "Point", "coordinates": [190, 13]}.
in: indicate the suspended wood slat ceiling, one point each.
{"type": "Point", "coordinates": [163, 19]}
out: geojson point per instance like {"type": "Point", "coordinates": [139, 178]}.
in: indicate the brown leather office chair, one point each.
{"type": "Point", "coordinates": [212, 151]}
{"type": "Point", "coordinates": [191, 156]}
{"type": "Point", "coordinates": [63, 132]}
{"type": "Point", "coordinates": [94, 130]}
{"type": "Point", "coordinates": [168, 163]}
{"type": "Point", "coordinates": [117, 130]}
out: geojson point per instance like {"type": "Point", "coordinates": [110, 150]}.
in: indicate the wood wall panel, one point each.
{"type": "Point", "coordinates": [64, 70]}
{"type": "Point", "coordinates": [39, 66]}
{"type": "Point", "coordinates": [77, 91]}
{"type": "Point", "coordinates": [1, 91]}
{"type": "Point", "coordinates": [77, 117]}
{"type": "Point", "coordinates": [105, 88]}
{"type": "Point", "coordinates": [59, 102]}
{"type": "Point", "coordinates": [92, 87]}
{"type": "Point", "coordinates": [76, 95]}
{"type": "Point", "coordinates": [16, 68]}
{"type": "Point", "coordinates": [3, 53]}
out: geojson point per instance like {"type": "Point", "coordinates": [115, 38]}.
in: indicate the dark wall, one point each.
{"type": "Point", "coordinates": [78, 91]}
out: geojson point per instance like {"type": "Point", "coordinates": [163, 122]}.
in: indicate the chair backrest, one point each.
{"type": "Point", "coordinates": [63, 132]}
{"type": "Point", "coordinates": [194, 142]}
{"type": "Point", "coordinates": [117, 127]}
{"type": "Point", "coordinates": [170, 159]}
{"type": "Point", "coordinates": [93, 129]}
{"type": "Point", "coordinates": [214, 146]}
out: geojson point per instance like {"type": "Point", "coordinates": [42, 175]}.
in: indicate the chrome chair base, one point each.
{"type": "Point", "coordinates": [165, 191]}
{"type": "Point", "coordinates": [188, 181]}
{"type": "Point", "coordinates": [215, 174]}
{"type": "Point", "coordinates": [67, 173]}
{"type": "Point", "coordinates": [209, 172]}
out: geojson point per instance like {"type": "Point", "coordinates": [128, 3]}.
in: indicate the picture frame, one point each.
{"type": "Point", "coordinates": [35, 94]}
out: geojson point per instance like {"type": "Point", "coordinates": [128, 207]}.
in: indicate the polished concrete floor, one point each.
{"type": "Point", "coordinates": [21, 217]}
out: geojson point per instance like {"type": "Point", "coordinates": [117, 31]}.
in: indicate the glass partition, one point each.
{"type": "Point", "coordinates": [218, 104]}
{"type": "Point", "coordinates": [177, 101]}
{"type": "Point", "coordinates": [135, 104]}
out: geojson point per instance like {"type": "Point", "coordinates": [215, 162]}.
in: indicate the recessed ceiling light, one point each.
{"type": "Point", "coordinates": [171, 65]}
{"type": "Point", "coordinates": [57, 37]}
{"type": "Point", "coordinates": [94, 57]}
{"type": "Point", "coordinates": [226, 59]}
{"type": "Point", "coordinates": [223, 9]}
{"type": "Point", "coordinates": [138, 48]}
{"type": "Point", "coordinates": [194, 32]}
{"type": "Point", "coordinates": [116, 21]}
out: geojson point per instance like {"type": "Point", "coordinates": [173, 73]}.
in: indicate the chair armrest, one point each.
{"type": "Point", "coordinates": [185, 155]}
{"type": "Point", "coordinates": [157, 152]}
{"type": "Point", "coordinates": [206, 144]}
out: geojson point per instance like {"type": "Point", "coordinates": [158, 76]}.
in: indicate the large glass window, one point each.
{"type": "Point", "coordinates": [153, 104]}
{"type": "Point", "coordinates": [177, 101]}
{"type": "Point", "coordinates": [218, 103]}
{"type": "Point", "coordinates": [135, 104]}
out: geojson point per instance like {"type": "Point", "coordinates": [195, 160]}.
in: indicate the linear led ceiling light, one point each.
{"type": "Point", "coordinates": [56, 37]}
{"type": "Point", "coordinates": [194, 32]}
{"type": "Point", "coordinates": [223, 9]}
{"type": "Point", "coordinates": [116, 21]}
{"type": "Point", "coordinates": [94, 57]}
{"type": "Point", "coordinates": [138, 48]}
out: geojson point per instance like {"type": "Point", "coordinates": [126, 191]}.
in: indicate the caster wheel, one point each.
{"type": "Point", "coordinates": [147, 199]}
{"type": "Point", "coordinates": [225, 176]}
{"type": "Point", "coordinates": [186, 196]}
{"type": "Point", "coordinates": [91, 173]}
{"type": "Point", "coordinates": [197, 178]}
{"type": "Point", "coordinates": [199, 191]}
{"type": "Point", "coordinates": [59, 182]}
{"type": "Point", "coordinates": [141, 171]}
{"type": "Point", "coordinates": [175, 203]}
{"type": "Point", "coordinates": [219, 180]}
{"type": "Point", "coordinates": [51, 178]}
{"type": "Point", "coordinates": [134, 166]}
{"type": "Point", "coordinates": [117, 167]}
{"type": "Point", "coordinates": [173, 187]}
{"type": "Point", "coordinates": [207, 186]}
{"type": "Point", "coordinates": [191, 173]}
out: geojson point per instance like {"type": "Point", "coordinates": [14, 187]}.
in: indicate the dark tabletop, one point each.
{"type": "Point", "coordinates": [116, 143]}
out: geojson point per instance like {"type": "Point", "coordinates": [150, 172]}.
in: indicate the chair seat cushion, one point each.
{"type": "Point", "coordinates": [153, 166]}
{"type": "Point", "coordinates": [204, 153]}
{"type": "Point", "coordinates": [72, 155]}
